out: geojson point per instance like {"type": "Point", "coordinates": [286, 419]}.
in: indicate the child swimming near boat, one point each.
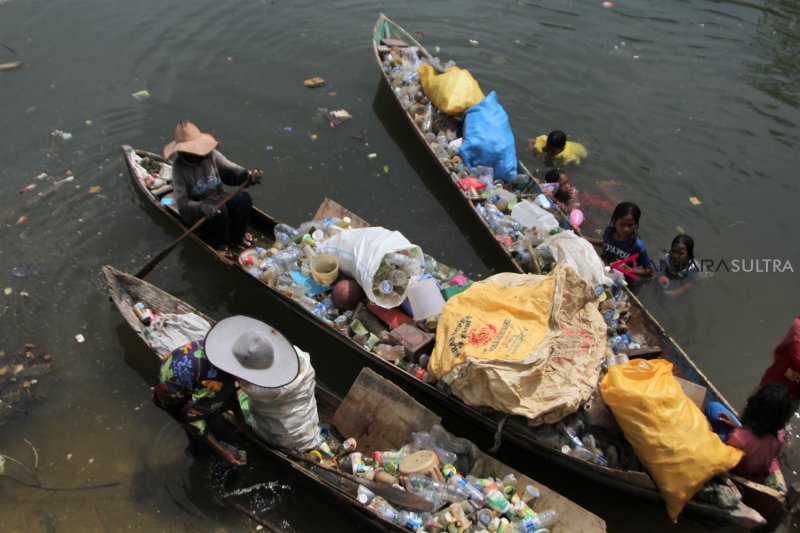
{"type": "Point", "coordinates": [556, 150]}
{"type": "Point", "coordinates": [565, 195]}
{"type": "Point", "coordinates": [621, 241]}
{"type": "Point", "coordinates": [678, 264]}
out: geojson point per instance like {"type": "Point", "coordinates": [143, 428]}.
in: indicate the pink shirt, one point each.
{"type": "Point", "coordinates": [761, 454]}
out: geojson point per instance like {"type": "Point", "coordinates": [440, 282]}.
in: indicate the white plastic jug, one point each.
{"type": "Point", "coordinates": [425, 299]}
{"type": "Point", "coordinates": [531, 216]}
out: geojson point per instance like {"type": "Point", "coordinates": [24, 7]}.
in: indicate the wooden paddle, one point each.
{"type": "Point", "coordinates": [145, 270]}
{"type": "Point", "coordinates": [404, 499]}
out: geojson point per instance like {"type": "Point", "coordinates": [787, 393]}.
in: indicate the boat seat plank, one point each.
{"type": "Point", "coordinates": [363, 414]}
{"type": "Point", "coordinates": [393, 42]}
{"type": "Point", "coordinates": [329, 209]}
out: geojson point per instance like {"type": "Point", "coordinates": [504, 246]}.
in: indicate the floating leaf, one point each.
{"type": "Point", "coordinates": [94, 189]}
{"type": "Point", "coordinates": [695, 200]}
{"type": "Point", "coordinates": [141, 95]}
{"type": "Point", "coordinates": [385, 169]}
{"type": "Point", "coordinates": [680, 229]}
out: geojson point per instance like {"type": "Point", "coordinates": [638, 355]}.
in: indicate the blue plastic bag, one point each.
{"type": "Point", "coordinates": [488, 139]}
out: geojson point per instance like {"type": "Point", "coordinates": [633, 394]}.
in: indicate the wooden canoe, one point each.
{"type": "Point", "coordinates": [769, 503]}
{"type": "Point", "coordinates": [394, 416]}
{"type": "Point", "coordinates": [514, 430]}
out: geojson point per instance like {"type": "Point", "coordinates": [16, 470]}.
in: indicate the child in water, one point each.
{"type": "Point", "coordinates": [556, 149]}
{"type": "Point", "coordinates": [760, 434]}
{"type": "Point", "coordinates": [566, 195]}
{"type": "Point", "coordinates": [678, 264]}
{"type": "Point", "coordinates": [621, 240]}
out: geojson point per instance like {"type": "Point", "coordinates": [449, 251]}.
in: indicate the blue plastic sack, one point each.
{"type": "Point", "coordinates": [488, 139]}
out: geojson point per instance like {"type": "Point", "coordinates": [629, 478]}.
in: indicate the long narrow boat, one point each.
{"type": "Point", "coordinates": [760, 504]}
{"type": "Point", "coordinates": [385, 428]}
{"type": "Point", "coordinates": [388, 37]}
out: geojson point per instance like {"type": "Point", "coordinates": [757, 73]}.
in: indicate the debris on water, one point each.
{"type": "Point", "coordinates": [474, 42]}
{"type": "Point", "coordinates": [313, 136]}
{"type": "Point", "coordinates": [680, 229]}
{"type": "Point", "coordinates": [607, 3]}
{"type": "Point", "coordinates": [23, 271]}
{"type": "Point", "coordinates": [8, 291]}
{"type": "Point", "coordinates": [41, 175]}
{"type": "Point", "coordinates": [28, 187]}
{"type": "Point", "coordinates": [695, 200]}
{"type": "Point", "coordinates": [91, 460]}
{"type": "Point", "coordinates": [80, 338]}
{"type": "Point", "coordinates": [361, 138]}
{"type": "Point", "coordinates": [22, 219]}
{"type": "Point", "coordinates": [24, 294]}
{"type": "Point", "coordinates": [229, 59]}
{"type": "Point", "coordinates": [385, 169]}
{"type": "Point", "coordinates": [269, 148]}
{"type": "Point", "coordinates": [141, 95]}
{"type": "Point", "coordinates": [20, 377]}
{"type": "Point", "coordinates": [11, 65]}
{"type": "Point", "coordinates": [313, 83]}
{"type": "Point", "coordinates": [59, 134]}
{"type": "Point", "coordinates": [68, 178]}
{"type": "Point", "coordinates": [373, 155]}
{"type": "Point", "coordinates": [286, 128]}
{"type": "Point", "coordinates": [94, 189]}
{"type": "Point", "coordinates": [87, 122]}
{"type": "Point", "coordinates": [69, 457]}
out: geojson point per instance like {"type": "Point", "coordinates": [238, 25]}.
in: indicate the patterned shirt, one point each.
{"type": "Point", "coordinates": [191, 389]}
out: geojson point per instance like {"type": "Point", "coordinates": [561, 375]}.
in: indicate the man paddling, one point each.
{"type": "Point", "coordinates": [198, 173]}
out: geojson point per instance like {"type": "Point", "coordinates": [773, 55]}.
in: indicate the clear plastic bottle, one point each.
{"type": "Point", "coordinates": [542, 519]}
{"type": "Point", "coordinates": [474, 496]}
{"type": "Point", "coordinates": [284, 234]}
{"type": "Point", "coordinates": [384, 509]}
{"type": "Point", "coordinates": [397, 259]}
{"type": "Point", "coordinates": [435, 491]}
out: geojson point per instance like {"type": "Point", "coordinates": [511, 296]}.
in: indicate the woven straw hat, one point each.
{"type": "Point", "coordinates": [189, 138]}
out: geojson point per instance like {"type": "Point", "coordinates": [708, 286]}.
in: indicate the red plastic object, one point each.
{"type": "Point", "coordinates": [471, 183]}
{"type": "Point", "coordinates": [391, 317]}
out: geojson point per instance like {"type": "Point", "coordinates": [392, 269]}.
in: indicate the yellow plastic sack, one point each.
{"type": "Point", "coordinates": [669, 433]}
{"type": "Point", "coordinates": [453, 92]}
{"type": "Point", "coordinates": [522, 344]}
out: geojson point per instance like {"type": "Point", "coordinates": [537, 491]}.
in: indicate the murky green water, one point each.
{"type": "Point", "coordinates": [673, 100]}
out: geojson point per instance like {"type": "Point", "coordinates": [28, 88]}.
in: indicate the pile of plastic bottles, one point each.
{"type": "Point", "coordinates": [614, 305]}
{"type": "Point", "coordinates": [393, 274]}
{"type": "Point", "coordinates": [442, 134]}
{"type": "Point", "coordinates": [463, 503]}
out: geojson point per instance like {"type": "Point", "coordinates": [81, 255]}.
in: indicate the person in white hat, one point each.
{"type": "Point", "coordinates": [277, 378]}
{"type": "Point", "coordinates": [198, 173]}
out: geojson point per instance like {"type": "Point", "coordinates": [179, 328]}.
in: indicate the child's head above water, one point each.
{"type": "Point", "coordinates": [556, 141]}
{"type": "Point", "coordinates": [768, 410]}
{"type": "Point", "coordinates": [681, 252]}
{"type": "Point", "coordinates": [625, 220]}
{"type": "Point", "coordinates": [556, 175]}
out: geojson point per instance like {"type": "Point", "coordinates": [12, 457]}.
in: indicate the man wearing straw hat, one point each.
{"type": "Point", "coordinates": [198, 173]}
{"type": "Point", "coordinates": [197, 381]}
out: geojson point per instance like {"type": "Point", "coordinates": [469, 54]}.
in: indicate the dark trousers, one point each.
{"type": "Point", "coordinates": [230, 225]}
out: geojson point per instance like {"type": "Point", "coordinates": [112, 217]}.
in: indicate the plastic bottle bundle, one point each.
{"type": "Point", "coordinates": [394, 272]}
{"type": "Point", "coordinates": [579, 447]}
{"type": "Point", "coordinates": [434, 491]}
{"type": "Point", "coordinates": [284, 234]}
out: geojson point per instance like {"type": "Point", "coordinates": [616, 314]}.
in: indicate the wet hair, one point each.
{"type": "Point", "coordinates": [553, 175]}
{"type": "Point", "coordinates": [686, 241]}
{"type": "Point", "coordinates": [556, 139]}
{"type": "Point", "coordinates": [624, 209]}
{"type": "Point", "coordinates": [768, 410]}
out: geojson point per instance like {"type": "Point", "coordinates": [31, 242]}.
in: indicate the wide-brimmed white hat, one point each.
{"type": "Point", "coordinates": [253, 351]}
{"type": "Point", "coordinates": [189, 138]}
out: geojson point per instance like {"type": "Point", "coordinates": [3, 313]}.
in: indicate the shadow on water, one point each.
{"type": "Point", "coordinates": [394, 120]}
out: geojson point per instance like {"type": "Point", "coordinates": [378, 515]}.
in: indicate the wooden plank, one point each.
{"type": "Point", "coordinates": [393, 42]}
{"type": "Point", "coordinates": [328, 209]}
{"type": "Point", "coordinates": [695, 392]}
{"type": "Point", "coordinates": [380, 415]}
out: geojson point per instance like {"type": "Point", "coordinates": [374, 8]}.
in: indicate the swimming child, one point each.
{"type": "Point", "coordinates": [556, 149]}
{"type": "Point", "coordinates": [621, 240]}
{"type": "Point", "coordinates": [679, 263]}
{"type": "Point", "coordinates": [760, 433]}
{"type": "Point", "coordinates": [566, 195]}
